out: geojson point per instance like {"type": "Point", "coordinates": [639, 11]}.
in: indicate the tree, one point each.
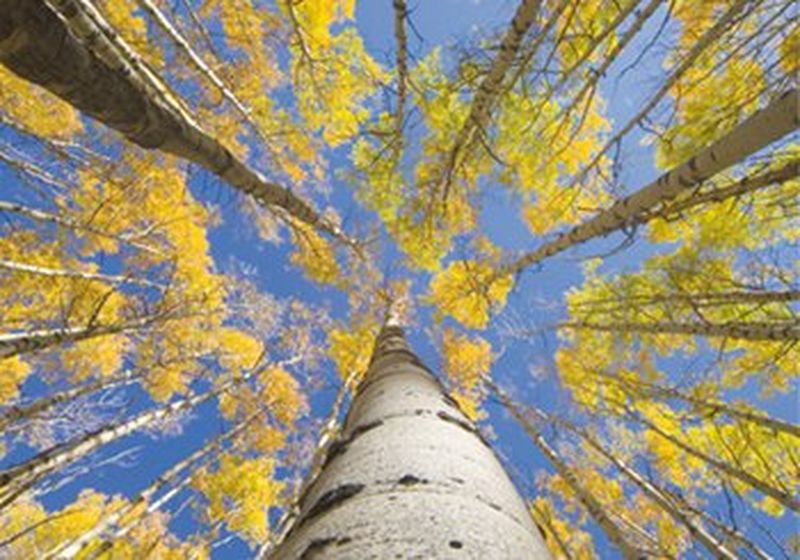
{"type": "Point", "coordinates": [220, 221]}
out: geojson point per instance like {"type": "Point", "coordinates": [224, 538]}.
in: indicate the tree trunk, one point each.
{"type": "Point", "coordinates": [98, 79]}
{"type": "Point", "coordinates": [14, 344]}
{"type": "Point", "coordinates": [764, 127]}
{"type": "Point", "coordinates": [705, 406]}
{"type": "Point", "coordinates": [752, 330]}
{"type": "Point", "coordinates": [67, 223]}
{"type": "Point", "coordinates": [649, 489]}
{"type": "Point", "coordinates": [36, 270]}
{"type": "Point", "coordinates": [779, 495]}
{"type": "Point", "coordinates": [593, 506]}
{"type": "Point", "coordinates": [17, 479]}
{"type": "Point", "coordinates": [490, 88]}
{"type": "Point", "coordinates": [115, 521]}
{"type": "Point", "coordinates": [18, 413]}
{"type": "Point", "coordinates": [410, 477]}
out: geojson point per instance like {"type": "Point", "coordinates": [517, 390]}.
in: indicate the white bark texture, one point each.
{"type": "Point", "coordinates": [410, 477]}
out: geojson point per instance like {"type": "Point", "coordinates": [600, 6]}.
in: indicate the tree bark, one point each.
{"type": "Point", "coordinates": [776, 494]}
{"type": "Point", "coordinates": [649, 489]}
{"type": "Point", "coordinates": [490, 88]}
{"type": "Point", "coordinates": [705, 406]}
{"type": "Point", "coordinates": [410, 477]}
{"type": "Point", "coordinates": [18, 413]}
{"type": "Point", "coordinates": [764, 127]}
{"type": "Point", "coordinates": [114, 522]}
{"type": "Point", "coordinates": [39, 46]}
{"type": "Point", "coordinates": [750, 330]}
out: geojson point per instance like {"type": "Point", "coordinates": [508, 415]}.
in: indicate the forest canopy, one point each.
{"type": "Point", "coordinates": [587, 211]}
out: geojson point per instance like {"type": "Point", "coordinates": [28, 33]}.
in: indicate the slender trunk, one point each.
{"type": "Point", "coordinates": [710, 407]}
{"type": "Point", "coordinates": [781, 496]}
{"type": "Point", "coordinates": [752, 330]}
{"type": "Point", "coordinates": [707, 299]}
{"type": "Point", "coordinates": [761, 129]}
{"type": "Point", "coordinates": [99, 79]}
{"type": "Point", "coordinates": [694, 526]}
{"type": "Point", "coordinates": [330, 430]}
{"type": "Point", "coordinates": [25, 268]}
{"type": "Point", "coordinates": [13, 344]}
{"type": "Point", "coordinates": [18, 413]}
{"type": "Point", "coordinates": [67, 223]}
{"type": "Point", "coordinates": [592, 505]}
{"type": "Point", "coordinates": [400, 15]}
{"type": "Point", "coordinates": [748, 184]}
{"type": "Point", "coordinates": [490, 88]}
{"type": "Point", "coordinates": [409, 477]}
{"type": "Point", "coordinates": [19, 478]}
{"type": "Point", "coordinates": [116, 519]}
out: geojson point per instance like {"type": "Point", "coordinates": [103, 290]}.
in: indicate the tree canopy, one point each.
{"type": "Point", "coordinates": [588, 208]}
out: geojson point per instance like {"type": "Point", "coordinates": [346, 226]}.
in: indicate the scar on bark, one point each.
{"type": "Point", "coordinates": [333, 498]}
{"type": "Point", "coordinates": [339, 446]}
{"type": "Point", "coordinates": [316, 548]}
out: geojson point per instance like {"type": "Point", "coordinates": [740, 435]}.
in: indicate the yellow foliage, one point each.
{"type": "Point", "coordinates": [466, 361]}
{"type": "Point", "coordinates": [282, 394]}
{"type": "Point", "coordinates": [468, 292]}
{"type": "Point", "coordinates": [35, 109]}
{"type": "Point", "coordinates": [240, 493]}
{"type": "Point", "coordinates": [314, 255]}
{"type": "Point", "coordinates": [351, 349]}
{"type": "Point", "coordinates": [560, 534]}
{"type": "Point", "coordinates": [13, 371]}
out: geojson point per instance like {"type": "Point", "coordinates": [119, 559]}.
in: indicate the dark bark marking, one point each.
{"type": "Point", "coordinates": [316, 547]}
{"type": "Point", "coordinates": [456, 544]}
{"type": "Point", "coordinates": [332, 498]}
{"type": "Point", "coordinates": [457, 421]}
{"type": "Point", "coordinates": [410, 480]}
{"type": "Point", "coordinates": [340, 446]}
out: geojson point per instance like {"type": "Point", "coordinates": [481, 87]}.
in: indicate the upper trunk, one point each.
{"type": "Point", "coordinates": [409, 477]}
{"type": "Point", "coordinates": [40, 46]}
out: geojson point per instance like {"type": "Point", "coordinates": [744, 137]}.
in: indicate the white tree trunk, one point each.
{"type": "Point", "coordinates": [99, 77]}
{"type": "Point", "coordinates": [774, 122]}
{"type": "Point", "coordinates": [410, 477]}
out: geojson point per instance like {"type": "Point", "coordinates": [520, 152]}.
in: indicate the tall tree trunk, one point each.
{"type": "Point", "coordinates": [649, 489]}
{"type": "Point", "coordinates": [14, 344]}
{"type": "Point", "coordinates": [593, 506]}
{"type": "Point", "coordinates": [68, 223]}
{"type": "Point", "coordinates": [122, 517]}
{"type": "Point", "coordinates": [781, 495]}
{"type": "Point", "coordinates": [25, 268]}
{"type": "Point", "coordinates": [705, 406]}
{"type": "Point", "coordinates": [98, 79]}
{"type": "Point", "coordinates": [410, 477]}
{"type": "Point", "coordinates": [18, 413]}
{"type": "Point", "coordinates": [490, 88]}
{"type": "Point", "coordinates": [751, 330]}
{"type": "Point", "coordinates": [764, 127]}
{"type": "Point", "coordinates": [17, 479]}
